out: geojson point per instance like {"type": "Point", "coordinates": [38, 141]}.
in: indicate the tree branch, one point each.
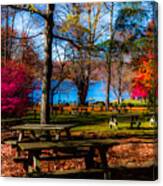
{"type": "Point", "coordinates": [28, 37]}
{"type": "Point", "coordinates": [28, 8]}
{"type": "Point", "coordinates": [68, 40]}
{"type": "Point", "coordinates": [77, 45]}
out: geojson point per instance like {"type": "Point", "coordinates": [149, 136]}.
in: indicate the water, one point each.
{"type": "Point", "coordinates": [67, 93]}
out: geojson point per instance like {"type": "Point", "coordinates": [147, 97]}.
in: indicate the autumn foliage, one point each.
{"type": "Point", "coordinates": [145, 80]}
{"type": "Point", "coordinates": [145, 76]}
{"type": "Point", "coordinates": [16, 86]}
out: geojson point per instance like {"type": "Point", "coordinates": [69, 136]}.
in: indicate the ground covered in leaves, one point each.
{"type": "Point", "coordinates": [129, 155]}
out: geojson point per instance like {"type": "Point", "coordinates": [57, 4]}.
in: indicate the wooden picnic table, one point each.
{"type": "Point", "coordinates": [34, 128]}
{"type": "Point", "coordinates": [75, 147]}
{"type": "Point", "coordinates": [79, 110]}
{"type": "Point", "coordinates": [67, 149]}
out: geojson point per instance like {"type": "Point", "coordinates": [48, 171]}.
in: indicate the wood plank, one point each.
{"type": "Point", "coordinates": [43, 127]}
{"type": "Point", "coordinates": [73, 143]}
{"type": "Point", "coordinates": [66, 144]}
{"type": "Point", "coordinates": [11, 142]}
{"type": "Point", "coordinates": [52, 158]}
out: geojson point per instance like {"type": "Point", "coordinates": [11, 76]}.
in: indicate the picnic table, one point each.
{"type": "Point", "coordinates": [79, 110]}
{"type": "Point", "coordinates": [33, 129]}
{"type": "Point", "coordinates": [72, 149]}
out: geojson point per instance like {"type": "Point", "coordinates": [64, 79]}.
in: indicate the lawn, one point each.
{"type": "Point", "coordinates": [96, 124]}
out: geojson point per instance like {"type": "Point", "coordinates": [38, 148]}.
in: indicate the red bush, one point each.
{"type": "Point", "coordinates": [16, 86]}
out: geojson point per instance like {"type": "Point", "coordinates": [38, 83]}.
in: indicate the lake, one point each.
{"type": "Point", "coordinates": [67, 93]}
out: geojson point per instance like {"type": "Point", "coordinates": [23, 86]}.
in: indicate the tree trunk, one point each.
{"type": "Point", "coordinates": [6, 42]}
{"type": "Point", "coordinates": [52, 94]}
{"type": "Point", "coordinates": [11, 39]}
{"type": "Point", "coordinates": [120, 68]}
{"type": "Point", "coordinates": [45, 106]}
{"type": "Point", "coordinates": [82, 92]}
{"type": "Point", "coordinates": [109, 59]}
{"type": "Point", "coordinates": [108, 83]}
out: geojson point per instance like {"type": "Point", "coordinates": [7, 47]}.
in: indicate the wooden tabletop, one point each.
{"type": "Point", "coordinates": [67, 143]}
{"type": "Point", "coordinates": [43, 126]}
{"type": "Point", "coordinates": [74, 143]}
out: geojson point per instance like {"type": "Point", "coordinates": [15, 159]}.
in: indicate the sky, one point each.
{"type": "Point", "coordinates": [35, 24]}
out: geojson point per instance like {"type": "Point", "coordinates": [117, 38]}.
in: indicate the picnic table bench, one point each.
{"type": "Point", "coordinates": [6, 124]}
{"type": "Point", "coordinates": [33, 129]}
{"type": "Point", "coordinates": [83, 110]}
{"type": "Point", "coordinates": [70, 149]}
{"type": "Point", "coordinates": [78, 174]}
{"type": "Point", "coordinates": [79, 110]}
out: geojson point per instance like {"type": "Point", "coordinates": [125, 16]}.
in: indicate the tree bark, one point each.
{"type": "Point", "coordinates": [11, 39]}
{"type": "Point", "coordinates": [45, 106]}
{"type": "Point", "coordinates": [109, 60]}
{"type": "Point", "coordinates": [52, 94]}
{"type": "Point", "coordinates": [82, 92]}
{"type": "Point", "coordinates": [6, 42]}
{"type": "Point", "coordinates": [108, 83]}
{"type": "Point", "coordinates": [120, 68]}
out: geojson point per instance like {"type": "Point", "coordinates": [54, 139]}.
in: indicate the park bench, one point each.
{"type": "Point", "coordinates": [70, 149]}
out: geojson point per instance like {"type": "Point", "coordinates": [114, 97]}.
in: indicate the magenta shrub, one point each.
{"type": "Point", "coordinates": [15, 86]}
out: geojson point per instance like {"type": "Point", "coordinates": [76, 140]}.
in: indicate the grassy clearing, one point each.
{"type": "Point", "coordinates": [123, 130]}
{"type": "Point", "coordinates": [135, 102]}
{"type": "Point", "coordinates": [98, 123]}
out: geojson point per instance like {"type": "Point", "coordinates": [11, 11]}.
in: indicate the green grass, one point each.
{"type": "Point", "coordinates": [123, 129]}
{"type": "Point", "coordinates": [97, 122]}
{"type": "Point", "coordinates": [135, 102]}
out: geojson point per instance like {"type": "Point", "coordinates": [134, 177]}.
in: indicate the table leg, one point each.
{"type": "Point", "coordinates": [33, 161]}
{"type": "Point", "coordinates": [68, 133]}
{"type": "Point", "coordinates": [18, 151]}
{"type": "Point", "coordinates": [57, 136]}
{"type": "Point", "coordinates": [89, 162]}
{"type": "Point", "coordinates": [29, 164]}
{"type": "Point", "coordinates": [33, 135]}
{"type": "Point", "coordinates": [103, 151]}
{"type": "Point", "coordinates": [21, 135]}
{"type": "Point", "coordinates": [36, 163]}
{"type": "Point", "coordinates": [47, 135]}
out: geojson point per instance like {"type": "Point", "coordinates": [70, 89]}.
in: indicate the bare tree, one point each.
{"type": "Point", "coordinates": [84, 25]}
{"type": "Point", "coordinates": [7, 31]}
{"type": "Point", "coordinates": [109, 55]}
{"type": "Point", "coordinates": [60, 68]}
{"type": "Point", "coordinates": [47, 15]}
{"type": "Point", "coordinates": [121, 79]}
